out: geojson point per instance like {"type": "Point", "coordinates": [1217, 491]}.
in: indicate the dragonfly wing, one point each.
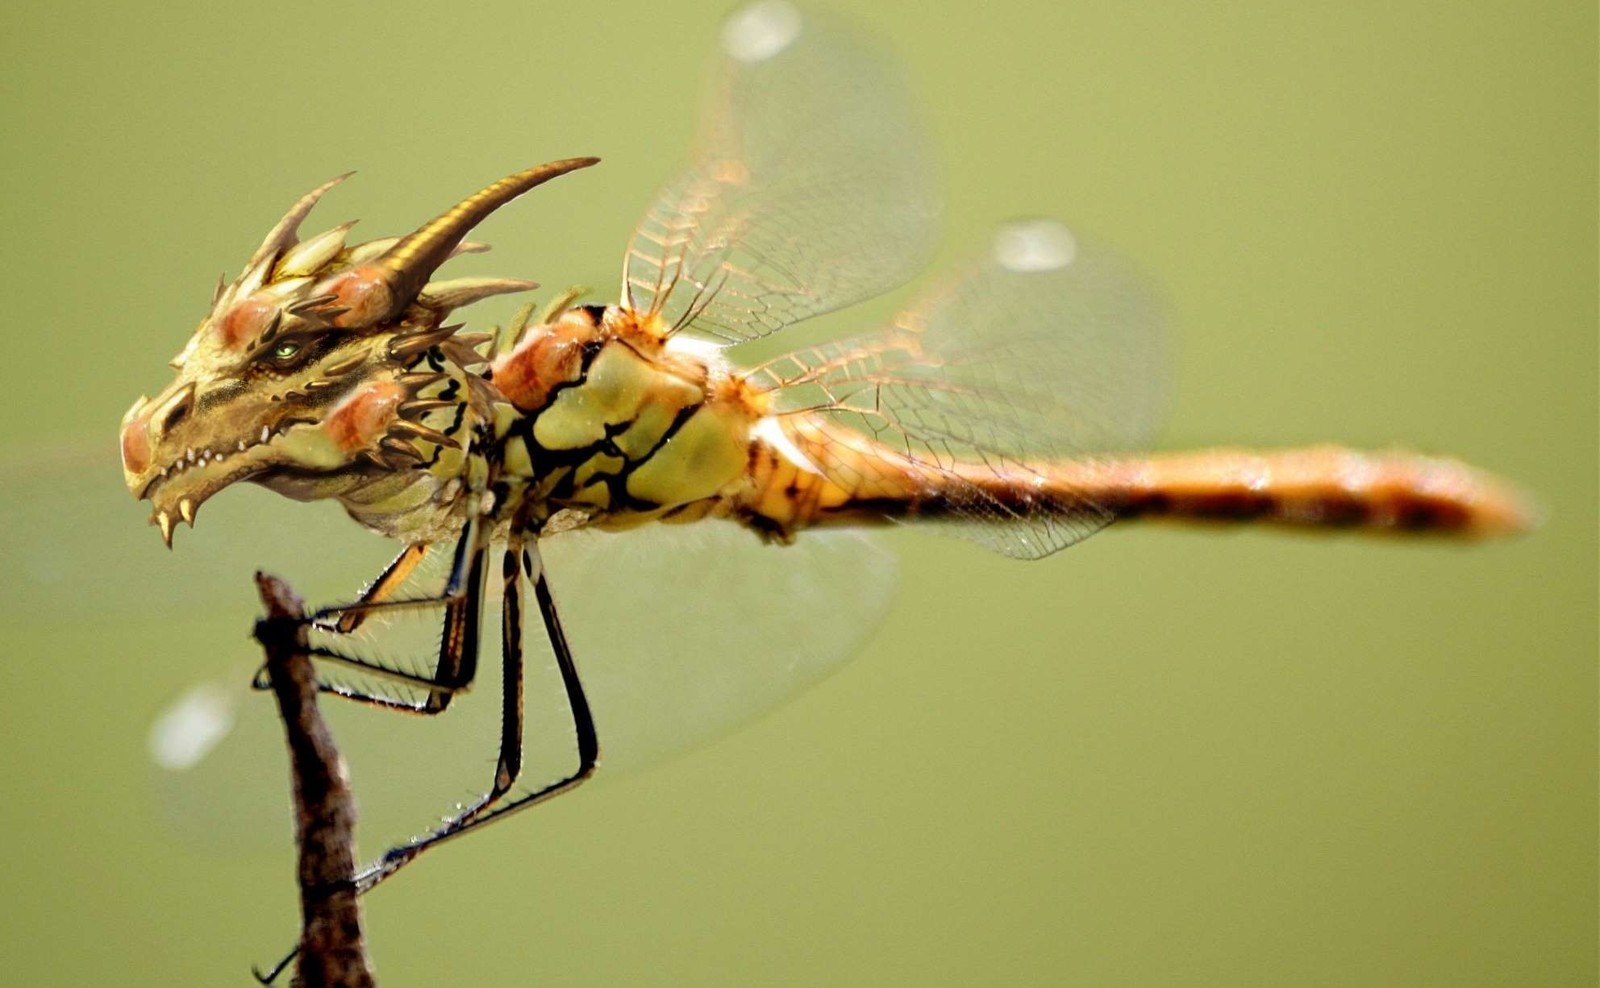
{"type": "Point", "coordinates": [685, 634]}
{"type": "Point", "coordinates": [76, 544]}
{"type": "Point", "coordinates": [1043, 352]}
{"type": "Point", "coordinates": [78, 555]}
{"type": "Point", "coordinates": [681, 634]}
{"type": "Point", "coordinates": [809, 188]}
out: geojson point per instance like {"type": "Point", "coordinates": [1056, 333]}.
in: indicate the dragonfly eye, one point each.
{"type": "Point", "coordinates": [286, 354]}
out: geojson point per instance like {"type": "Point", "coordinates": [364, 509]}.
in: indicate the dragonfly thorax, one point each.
{"type": "Point", "coordinates": [600, 419]}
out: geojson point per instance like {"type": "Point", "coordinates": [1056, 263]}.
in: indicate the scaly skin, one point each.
{"type": "Point", "coordinates": [326, 370]}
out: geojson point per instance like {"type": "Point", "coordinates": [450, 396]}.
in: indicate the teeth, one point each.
{"type": "Point", "coordinates": [186, 509]}
{"type": "Point", "coordinates": [203, 458]}
{"type": "Point", "coordinates": [165, 521]}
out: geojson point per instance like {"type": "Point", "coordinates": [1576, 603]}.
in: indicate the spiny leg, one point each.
{"type": "Point", "coordinates": [509, 767]}
{"type": "Point", "coordinates": [456, 664]}
{"type": "Point", "coordinates": [490, 807]}
{"type": "Point", "coordinates": [458, 652]}
{"type": "Point", "coordinates": [382, 588]}
{"type": "Point", "coordinates": [511, 715]}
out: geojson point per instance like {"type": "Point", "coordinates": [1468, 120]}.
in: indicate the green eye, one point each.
{"type": "Point", "coordinates": [285, 351]}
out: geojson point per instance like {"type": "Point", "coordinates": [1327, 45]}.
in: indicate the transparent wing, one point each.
{"type": "Point", "coordinates": [78, 548]}
{"type": "Point", "coordinates": [1044, 353]}
{"type": "Point", "coordinates": [809, 188]}
{"type": "Point", "coordinates": [681, 634]}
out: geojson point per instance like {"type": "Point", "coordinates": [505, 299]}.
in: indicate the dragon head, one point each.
{"type": "Point", "coordinates": [307, 374]}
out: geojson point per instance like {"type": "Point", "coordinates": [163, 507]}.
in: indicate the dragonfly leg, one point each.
{"type": "Point", "coordinates": [462, 599]}
{"type": "Point", "coordinates": [492, 806]}
{"type": "Point", "coordinates": [457, 660]}
{"type": "Point", "coordinates": [382, 588]}
{"type": "Point", "coordinates": [509, 766]}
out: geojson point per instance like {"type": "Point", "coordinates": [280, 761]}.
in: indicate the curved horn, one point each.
{"type": "Point", "coordinates": [287, 232]}
{"type": "Point", "coordinates": [414, 259]}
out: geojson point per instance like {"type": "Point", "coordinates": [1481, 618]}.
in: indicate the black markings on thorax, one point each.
{"type": "Point", "coordinates": [550, 462]}
{"type": "Point", "coordinates": [451, 391]}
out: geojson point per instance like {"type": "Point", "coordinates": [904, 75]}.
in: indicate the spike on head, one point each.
{"type": "Point", "coordinates": [282, 236]}
{"type": "Point", "coordinates": [308, 257]}
{"type": "Point", "coordinates": [305, 374]}
{"type": "Point", "coordinates": [413, 260]}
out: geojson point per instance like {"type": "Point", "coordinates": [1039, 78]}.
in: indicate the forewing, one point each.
{"type": "Point", "coordinates": [809, 187]}
{"type": "Point", "coordinates": [77, 547]}
{"type": "Point", "coordinates": [680, 633]}
{"type": "Point", "coordinates": [1043, 352]}
{"type": "Point", "coordinates": [683, 633]}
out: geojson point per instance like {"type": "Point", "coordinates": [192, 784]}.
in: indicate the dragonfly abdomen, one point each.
{"type": "Point", "coordinates": [817, 475]}
{"type": "Point", "coordinates": [1319, 487]}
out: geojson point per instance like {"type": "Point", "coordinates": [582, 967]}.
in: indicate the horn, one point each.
{"type": "Point", "coordinates": [285, 234]}
{"type": "Point", "coordinates": [414, 259]}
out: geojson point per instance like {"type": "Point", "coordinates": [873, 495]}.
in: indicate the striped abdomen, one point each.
{"type": "Point", "coordinates": [853, 480]}
{"type": "Point", "coordinates": [1321, 486]}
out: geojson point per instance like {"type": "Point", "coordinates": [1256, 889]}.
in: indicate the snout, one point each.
{"type": "Point", "coordinates": [144, 427]}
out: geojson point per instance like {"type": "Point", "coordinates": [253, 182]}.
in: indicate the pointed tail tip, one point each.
{"type": "Point", "coordinates": [1389, 492]}
{"type": "Point", "coordinates": [1504, 510]}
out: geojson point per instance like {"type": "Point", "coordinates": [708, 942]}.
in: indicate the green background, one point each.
{"type": "Point", "coordinates": [1164, 757]}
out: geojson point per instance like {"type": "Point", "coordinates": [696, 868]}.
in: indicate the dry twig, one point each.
{"type": "Point", "coordinates": [332, 950]}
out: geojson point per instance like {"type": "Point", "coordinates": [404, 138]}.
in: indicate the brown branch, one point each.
{"type": "Point", "coordinates": [332, 950]}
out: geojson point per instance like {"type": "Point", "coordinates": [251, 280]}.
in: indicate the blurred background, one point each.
{"type": "Point", "coordinates": [1163, 757]}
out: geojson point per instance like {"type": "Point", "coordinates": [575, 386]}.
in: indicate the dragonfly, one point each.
{"type": "Point", "coordinates": [1013, 404]}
